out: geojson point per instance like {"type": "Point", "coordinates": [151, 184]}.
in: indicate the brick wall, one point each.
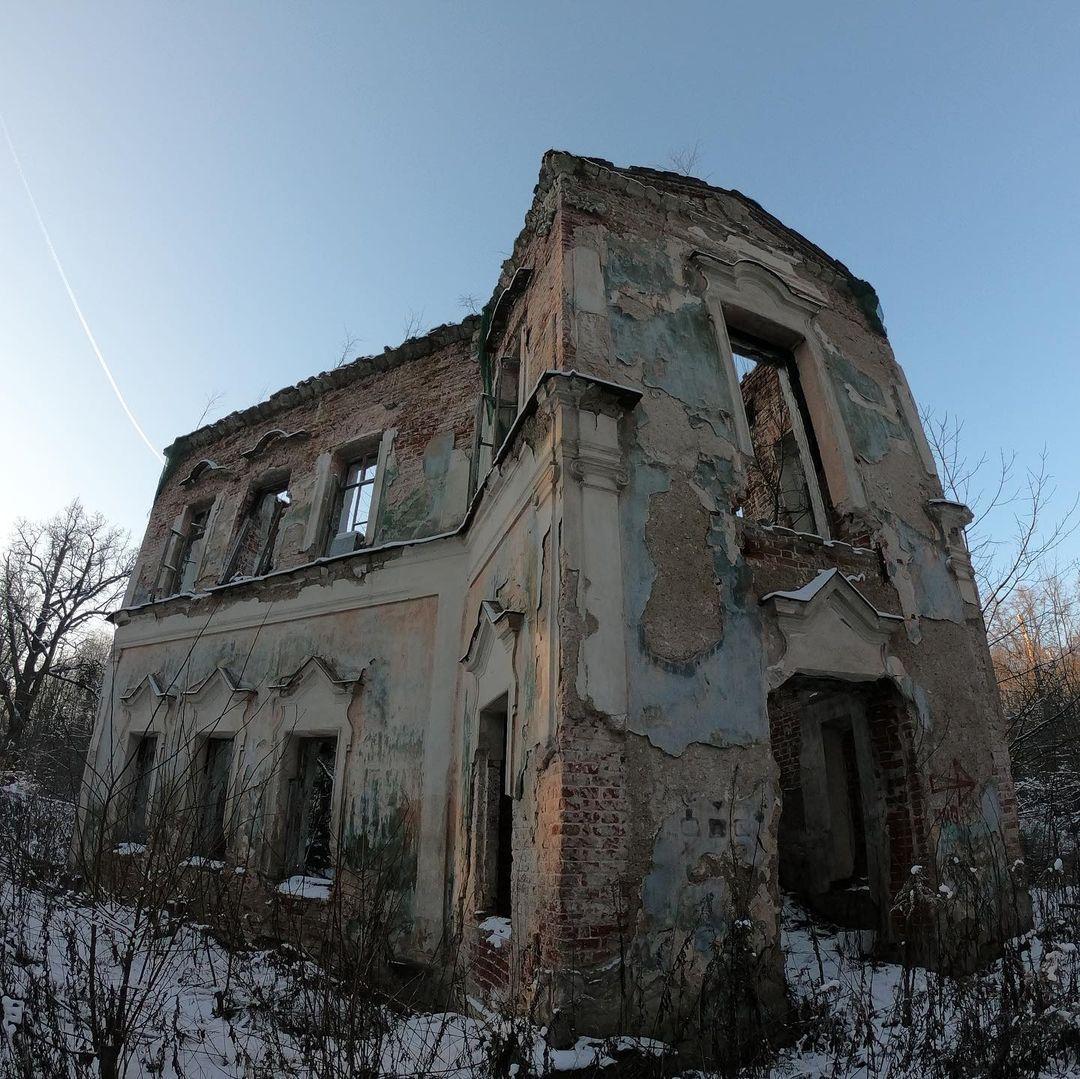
{"type": "Point", "coordinates": [769, 423]}
{"type": "Point", "coordinates": [584, 825]}
{"type": "Point", "coordinates": [491, 966]}
{"type": "Point", "coordinates": [423, 389]}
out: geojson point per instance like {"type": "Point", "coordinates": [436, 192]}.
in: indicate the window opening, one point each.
{"type": "Point", "coordinates": [191, 551]}
{"type": "Point", "coordinates": [311, 794]}
{"type": "Point", "coordinates": [352, 506]}
{"type": "Point", "coordinates": [253, 553]}
{"type": "Point", "coordinates": [493, 814]}
{"type": "Point", "coordinates": [213, 795]}
{"type": "Point", "coordinates": [783, 487]}
{"type": "Point", "coordinates": [138, 818]}
{"type": "Point", "coordinates": [506, 397]}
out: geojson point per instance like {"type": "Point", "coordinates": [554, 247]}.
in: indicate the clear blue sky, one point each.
{"type": "Point", "coordinates": [231, 186]}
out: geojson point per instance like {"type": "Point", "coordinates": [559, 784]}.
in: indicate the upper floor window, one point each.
{"type": "Point", "coordinates": [352, 515]}
{"type": "Point", "coordinates": [507, 387]}
{"type": "Point", "coordinates": [253, 549]}
{"type": "Point", "coordinates": [354, 500]}
{"type": "Point", "coordinates": [182, 557]}
{"type": "Point", "coordinates": [191, 550]}
{"type": "Point", "coordinates": [784, 482]}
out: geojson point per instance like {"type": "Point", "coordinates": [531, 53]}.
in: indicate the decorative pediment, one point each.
{"type": "Point", "coordinates": [203, 468]}
{"type": "Point", "coordinates": [220, 679]}
{"type": "Point", "coordinates": [745, 276]}
{"type": "Point", "coordinates": [831, 629]}
{"type": "Point", "coordinates": [270, 439]}
{"type": "Point", "coordinates": [494, 622]}
{"type": "Point", "coordinates": [315, 667]}
{"type": "Point", "coordinates": [148, 685]}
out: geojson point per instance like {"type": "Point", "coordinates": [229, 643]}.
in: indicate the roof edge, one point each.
{"type": "Point", "coordinates": [413, 348]}
{"type": "Point", "coordinates": [564, 162]}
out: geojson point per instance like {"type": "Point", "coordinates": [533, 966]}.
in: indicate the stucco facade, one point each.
{"type": "Point", "coordinates": [630, 637]}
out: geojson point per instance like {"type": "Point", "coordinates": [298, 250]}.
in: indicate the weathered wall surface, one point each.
{"type": "Point", "coordinates": [698, 640]}
{"type": "Point", "coordinates": [602, 581]}
{"type": "Point", "coordinates": [424, 392]}
{"type": "Point", "coordinates": [385, 641]}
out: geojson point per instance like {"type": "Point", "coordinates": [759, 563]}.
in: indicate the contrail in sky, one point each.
{"type": "Point", "coordinates": [71, 296]}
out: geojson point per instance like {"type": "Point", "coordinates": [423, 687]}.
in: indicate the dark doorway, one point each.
{"type": "Point", "coordinates": [832, 838]}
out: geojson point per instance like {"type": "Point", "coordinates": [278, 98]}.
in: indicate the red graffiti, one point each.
{"type": "Point", "coordinates": [959, 788]}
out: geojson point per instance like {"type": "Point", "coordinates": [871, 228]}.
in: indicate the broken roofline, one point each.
{"type": "Point", "coordinates": [413, 348]}
{"type": "Point", "coordinates": [627, 394]}
{"type": "Point", "coordinates": [554, 163]}
{"type": "Point", "coordinates": [659, 181]}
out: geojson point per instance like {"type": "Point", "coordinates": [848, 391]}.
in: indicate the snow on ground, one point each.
{"type": "Point", "coordinates": [864, 999]}
{"type": "Point", "coordinates": [202, 1012]}
{"type": "Point", "coordinates": [301, 887]}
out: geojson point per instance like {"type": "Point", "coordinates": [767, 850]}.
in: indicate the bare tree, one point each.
{"type": "Point", "coordinates": [348, 348]}
{"type": "Point", "coordinates": [685, 161]}
{"type": "Point", "coordinates": [468, 302]}
{"type": "Point", "coordinates": [413, 325]}
{"type": "Point", "coordinates": [1003, 564]}
{"type": "Point", "coordinates": [57, 578]}
{"type": "Point", "coordinates": [212, 401]}
{"type": "Point", "coordinates": [1031, 607]}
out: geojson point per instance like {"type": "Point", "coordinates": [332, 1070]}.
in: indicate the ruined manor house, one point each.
{"type": "Point", "coordinates": [617, 612]}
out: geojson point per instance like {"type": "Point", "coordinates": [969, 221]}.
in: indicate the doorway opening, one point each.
{"type": "Point", "coordinates": [835, 850]}
{"type": "Point", "coordinates": [493, 814]}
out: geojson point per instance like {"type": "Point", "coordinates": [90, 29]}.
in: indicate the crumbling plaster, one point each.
{"type": "Point", "coordinates": [592, 566]}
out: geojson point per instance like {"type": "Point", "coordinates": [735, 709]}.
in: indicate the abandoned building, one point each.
{"type": "Point", "coordinates": [622, 609]}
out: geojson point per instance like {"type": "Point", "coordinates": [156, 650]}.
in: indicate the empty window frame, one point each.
{"type": "Point", "coordinates": [213, 793]}
{"type": "Point", "coordinates": [310, 796]}
{"type": "Point", "coordinates": [183, 553]}
{"type": "Point", "coordinates": [493, 819]}
{"type": "Point", "coordinates": [507, 397]}
{"type": "Point", "coordinates": [508, 391]}
{"type": "Point", "coordinates": [253, 548]}
{"type": "Point", "coordinates": [140, 786]}
{"type": "Point", "coordinates": [785, 481]}
{"type": "Point", "coordinates": [191, 550]}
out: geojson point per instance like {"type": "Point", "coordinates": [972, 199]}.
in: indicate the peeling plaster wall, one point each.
{"type": "Point", "coordinates": [599, 578]}
{"type": "Point", "coordinates": [696, 635]}
{"type": "Point", "coordinates": [396, 626]}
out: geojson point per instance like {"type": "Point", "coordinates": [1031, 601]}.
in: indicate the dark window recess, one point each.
{"type": "Point", "coordinates": [506, 397]}
{"type": "Point", "coordinates": [351, 520]}
{"type": "Point", "coordinates": [213, 796]}
{"type": "Point", "coordinates": [144, 756]}
{"type": "Point", "coordinates": [493, 815]}
{"type": "Point", "coordinates": [308, 848]}
{"type": "Point", "coordinates": [778, 488]}
{"type": "Point", "coordinates": [253, 548]}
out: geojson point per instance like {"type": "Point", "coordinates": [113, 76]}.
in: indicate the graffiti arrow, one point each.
{"type": "Point", "coordinates": [959, 781]}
